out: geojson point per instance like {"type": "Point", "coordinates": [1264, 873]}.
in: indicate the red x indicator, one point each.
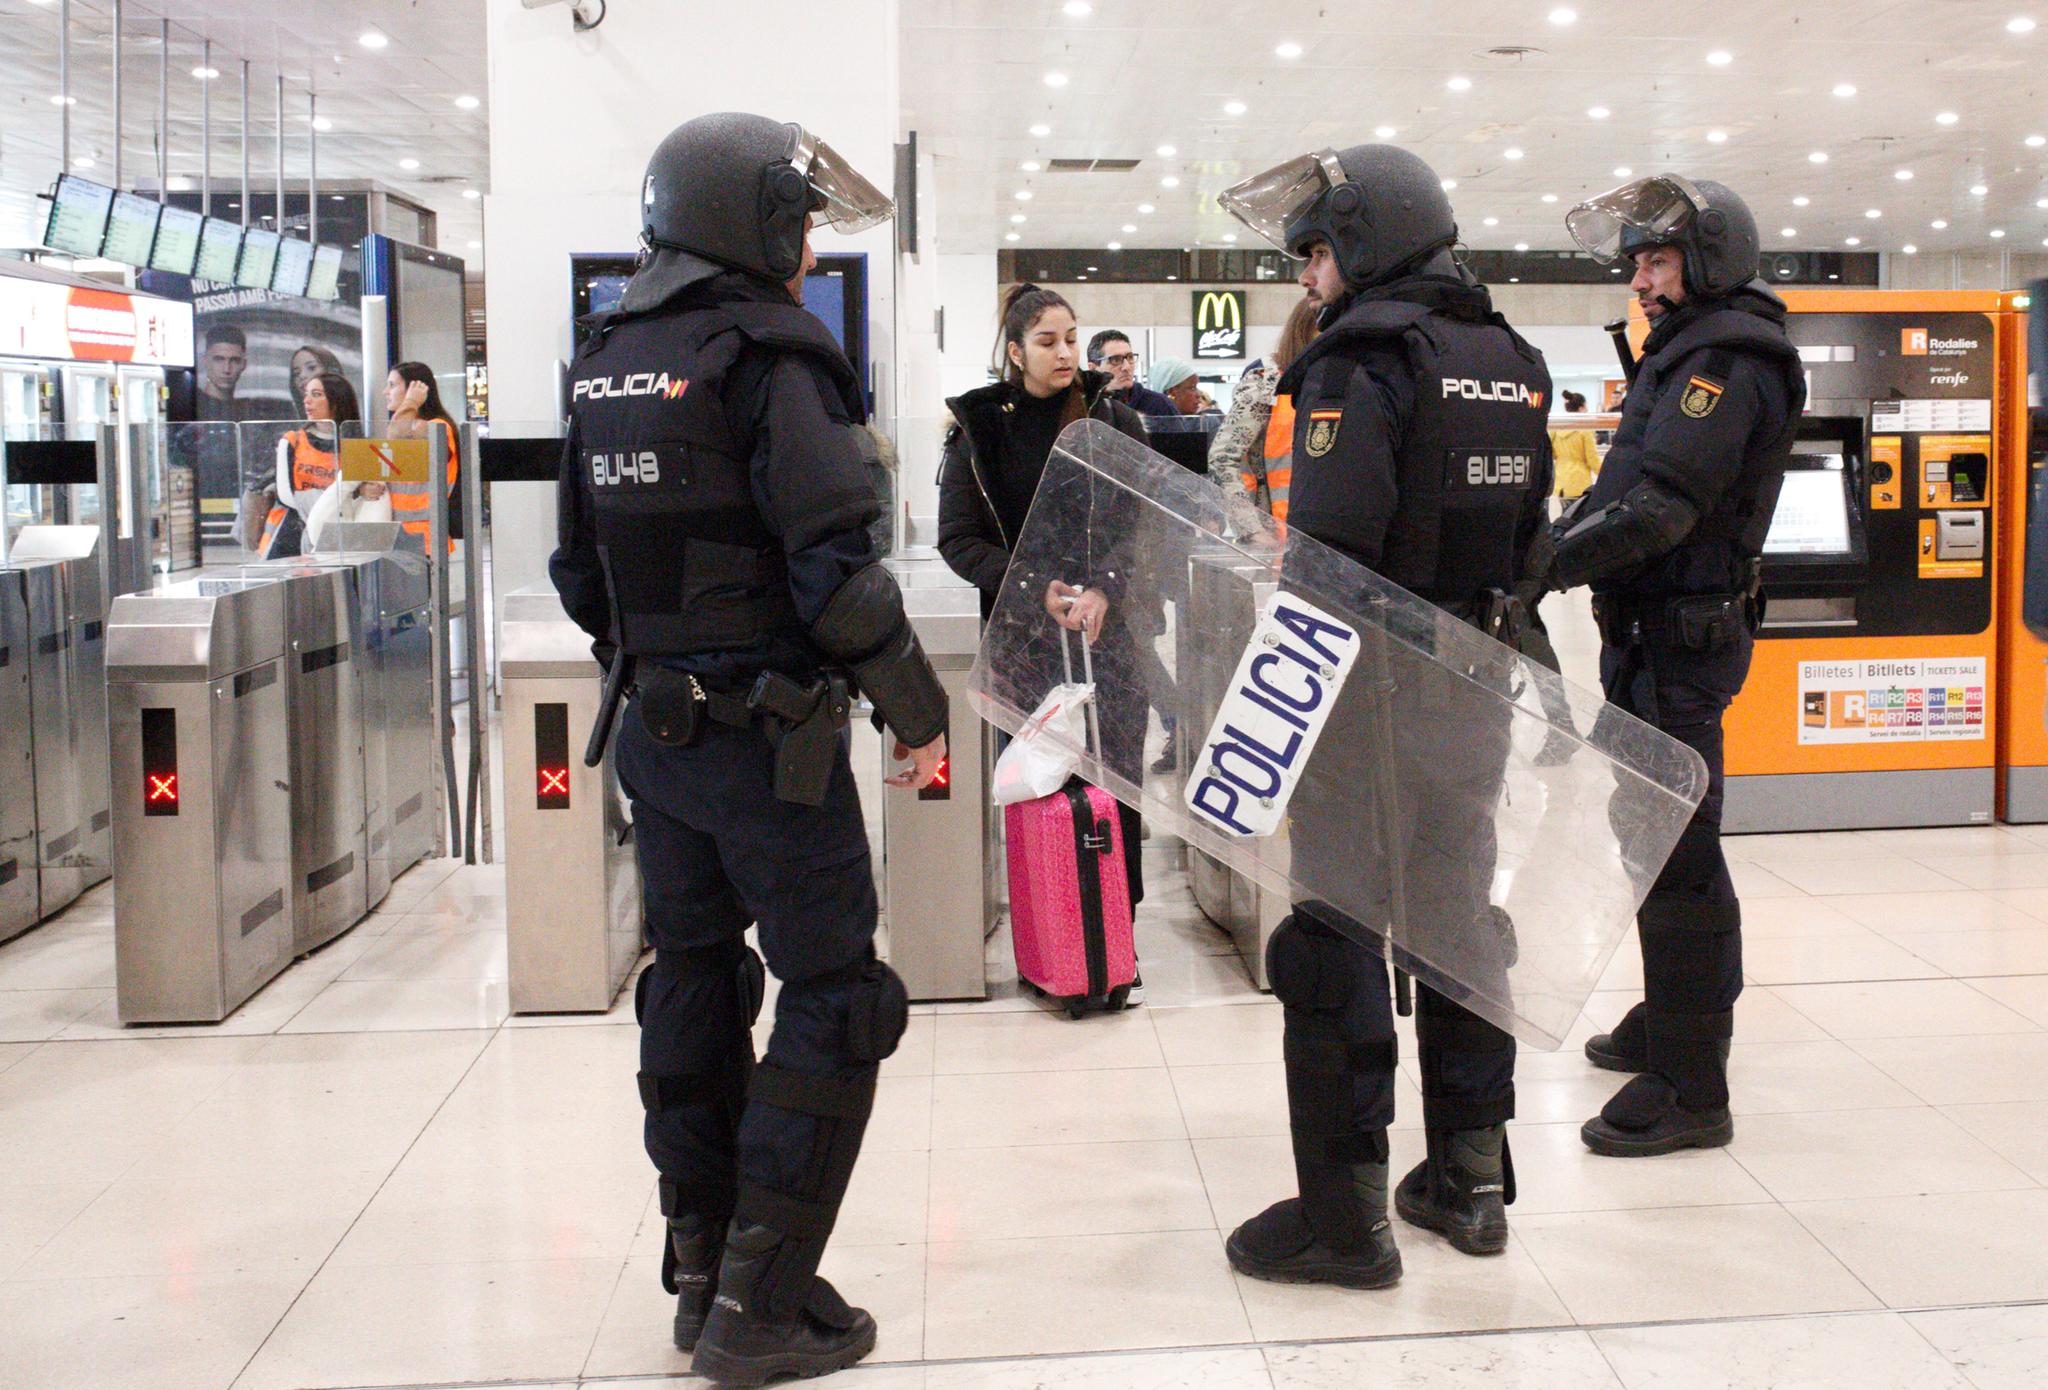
{"type": "Point", "coordinates": [163, 786]}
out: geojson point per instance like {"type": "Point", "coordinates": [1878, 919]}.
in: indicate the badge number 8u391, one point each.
{"type": "Point", "coordinates": [1286, 684]}
{"type": "Point", "coordinates": [1701, 396]}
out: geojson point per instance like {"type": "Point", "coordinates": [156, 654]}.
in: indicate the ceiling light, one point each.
{"type": "Point", "coordinates": [1946, 118]}
{"type": "Point", "coordinates": [471, 193]}
{"type": "Point", "coordinates": [1903, 175]}
{"type": "Point", "coordinates": [1010, 236]}
{"type": "Point", "coordinates": [1145, 209]}
{"type": "Point", "coordinates": [1873, 213]}
{"type": "Point", "coordinates": [1562, 17]}
{"type": "Point", "coordinates": [467, 102]}
{"type": "Point", "coordinates": [2022, 25]}
{"type": "Point", "coordinates": [408, 163]}
{"type": "Point", "coordinates": [1720, 58]}
{"type": "Point", "coordinates": [370, 38]}
{"type": "Point", "coordinates": [1023, 195]}
{"type": "Point", "coordinates": [475, 245]}
{"type": "Point", "coordinates": [84, 161]}
{"type": "Point", "coordinates": [1493, 221]}
{"type": "Point", "coordinates": [336, 198]}
{"type": "Point", "coordinates": [1521, 246]}
{"type": "Point", "coordinates": [2035, 142]}
{"type": "Point", "coordinates": [1978, 190]}
{"type": "Point", "coordinates": [1801, 201]}
{"type": "Point", "coordinates": [1622, 171]}
{"type": "Point", "coordinates": [1459, 84]}
{"type": "Point", "coordinates": [1031, 166]}
{"type": "Point", "coordinates": [1910, 249]}
{"type": "Point", "coordinates": [1550, 197]}
{"type": "Point", "coordinates": [1845, 89]}
{"type": "Point", "coordinates": [1230, 236]}
{"type": "Point", "coordinates": [1788, 232]}
{"type": "Point", "coordinates": [1854, 240]}
{"type": "Point", "coordinates": [1055, 79]}
{"type": "Point", "coordinates": [1173, 277]}
{"type": "Point", "coordinates": [1598, 113]}
{"type": "Point", "coordinates": [1997, 232]}
{"type": "Point", "coordinates": [1018, 219]}
{"type": "Point", "coordinates": [1940, 224]}
{"type": "Point", "coordinates": [1078, 9]}
{"type": "Point", "coordinates": [2041, 202]}
{"type": "Point", "coordinates": [1384, 132]}
{"type": "Point", "coordinates": [1288, 50]}
{"type": "Point", "coordinates": [322, 124]}
{"type": "Point", "coordinates": [1234, 108]}
{"type": "Point", "coordinates": [1130, 227]}
{"type": "Point", "coordinates": [1449, 184]}
{"type": "Point", "coordinates": [1041, 130]}
{"type": "Point", "coordinates": [1114, 246]}
{"type": "Point", "coordinates": [1169, 182]}
{"type": "Point", "coordinates": [1095, 268]}
{"type": "Point", "coordinates": [206, 74]}
{"type": "Point", "coordinates": [1511, 153]}
{"type": "Point", "coordinates": [1817, 157]}
{"type": "Point", "coordinates": [178, 183]}
{"type": "Point", "coordinates": [1717, 137]}
{"type": "Point", "coordinates": [61, 100]}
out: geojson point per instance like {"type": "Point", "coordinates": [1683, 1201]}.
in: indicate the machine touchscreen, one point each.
{"type": "Point", "coordinates": [1812, 517]}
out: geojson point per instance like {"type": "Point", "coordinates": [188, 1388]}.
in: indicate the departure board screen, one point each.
{"type": "Point", "coordinates": [220, 247]}
{"type": "Point", "coordinates": [131, 229]}
{"type": "Point", "coordinates": [78, 216]}
{"type": "Point", "coordinates": [294, 264]}
{"type": "Point", "coordinates": [324, 279]}
{"type": "Point", "coordinates": [259, 259]}
{"type": "Point", "coordinates": [177, 241]}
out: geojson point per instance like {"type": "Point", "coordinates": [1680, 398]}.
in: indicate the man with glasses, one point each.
{"type": "Point", "coordinates": [1110, 351]}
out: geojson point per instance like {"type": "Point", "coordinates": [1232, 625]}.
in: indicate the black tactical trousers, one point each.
{"type": "Point", "coordinates": [717, 852]}
{"type": "Point", "coordinates": [1691, 923]}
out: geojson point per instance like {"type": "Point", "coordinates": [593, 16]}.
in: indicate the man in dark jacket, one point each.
{"type": "Point", "coordinates": [1440, 490]}
{"type": "Point", "coordinates": [1670, 537]}
{"type": "Point", "coordinates": [1110, 352]}
{"type": "Point", "coordinates": [714, 541]}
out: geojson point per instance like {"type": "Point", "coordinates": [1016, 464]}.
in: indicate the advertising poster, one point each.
{"type": "Point", "coordinates": [1909, 701]}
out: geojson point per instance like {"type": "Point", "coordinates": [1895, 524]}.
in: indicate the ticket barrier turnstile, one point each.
{"type": "Point", "coordinates": [572, 882]}
{"type": "Point", "coordinates": [19, 903]}
{"type": "Point", "coordinates": [203, 905]}
{"type": "Point", "coordinates": [939, 913]}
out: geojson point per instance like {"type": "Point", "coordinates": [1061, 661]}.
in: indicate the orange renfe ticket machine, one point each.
{"type": "Point", "coordinates": [1873, 699]}
{"type": "Point", "coordinates": [2023, 583]}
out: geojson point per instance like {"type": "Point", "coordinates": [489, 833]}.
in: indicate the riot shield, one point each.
{"type": "Point", "coordinates": [1416, 784]}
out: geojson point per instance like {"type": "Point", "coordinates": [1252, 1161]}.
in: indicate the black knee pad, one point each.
{"type": "Point", "coordinates": [877, 1013]}
{"type": "Point", "coordinates": [1310, 967]}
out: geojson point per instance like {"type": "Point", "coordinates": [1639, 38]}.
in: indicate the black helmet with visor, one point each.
{"type": "Point", "coordinates": [1712, 228]}
{"type": "Point", "coordinates": [1381, 209]}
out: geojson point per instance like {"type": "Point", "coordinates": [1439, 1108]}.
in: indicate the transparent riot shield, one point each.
{"type": "Point", "coordinates": [1415, 783]}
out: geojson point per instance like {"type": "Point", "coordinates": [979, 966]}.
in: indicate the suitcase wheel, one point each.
{"type": "Point", "coordinates": [1076, 1007]}
{"type": "Point", "coordinates": [1119, 998]}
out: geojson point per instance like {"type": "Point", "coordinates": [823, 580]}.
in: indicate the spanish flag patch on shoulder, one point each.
{"type": "Point", "coordinates": [1700, 398]}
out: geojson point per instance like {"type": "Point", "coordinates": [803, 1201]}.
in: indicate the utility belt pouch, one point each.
{"type": "Point", "coordinates": [804, 724]}
{"type": "Point", "coordinates": [1709, 621]}
{"type": "Point", "coordinates": [671, 705]}
{"type": "Point", "coordinates": [1501, 616]}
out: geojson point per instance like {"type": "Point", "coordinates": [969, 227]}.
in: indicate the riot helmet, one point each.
{"type": "Point", "coordinates": [730, 191]}
{"type": "Point", "coordinates": [1711, 227]}
{"type": "Point", "coordinates": [1381, 209]}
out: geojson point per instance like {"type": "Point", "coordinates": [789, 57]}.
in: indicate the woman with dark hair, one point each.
{"type": "Point", "coordinates": [412, 399]}
{"type": "Point", "coordinates": [308, 463]}
{"type": "Point", "coordinates": [995, 454]}
{"type": "Point", "coordinates": [310, 361]}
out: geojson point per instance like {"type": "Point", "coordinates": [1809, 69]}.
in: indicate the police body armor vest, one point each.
{"type": "Point", "coordinates": [1714, 558]}
{"type": "Point", "coordinates": [1473, 447]}
{"type": "Point", "coordinates": [690, 564]}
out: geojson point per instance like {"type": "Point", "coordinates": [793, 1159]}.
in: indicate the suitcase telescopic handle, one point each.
{"type": "Point", "coordinates": [1087, 674]}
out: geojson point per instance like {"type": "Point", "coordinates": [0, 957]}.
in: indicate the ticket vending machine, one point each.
{"type": "Point", "coordinates": [1873, 697]}
{"type": "Point", "coordinates": [2023, 583]}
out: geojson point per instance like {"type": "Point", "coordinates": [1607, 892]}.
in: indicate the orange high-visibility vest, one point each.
{"type": "Point", "coordinates": [410, 502]}
{"type": "Point", "coordinates": [313, 470]}
{"type": "Point", "coordinates": [1277, 459]}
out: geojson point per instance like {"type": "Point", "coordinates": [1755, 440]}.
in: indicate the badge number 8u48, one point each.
{"type": "Point", "coordinates": [1286, 684]}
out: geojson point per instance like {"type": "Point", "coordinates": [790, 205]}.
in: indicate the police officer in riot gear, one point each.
{"type": "Point", "coordinates": [714, 515]}
{"type": "Point", "coordinates": [1382, 414]}
{"type": "Point", "coordinates": [1670, 539]}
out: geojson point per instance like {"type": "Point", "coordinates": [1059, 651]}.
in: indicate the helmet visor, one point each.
{"type": "Point", "coordinates": [1655, 209]}
{"type": "Point", "coordinates": [843, 200]}
{"type": "Point", "coordinates": [1267, 202]}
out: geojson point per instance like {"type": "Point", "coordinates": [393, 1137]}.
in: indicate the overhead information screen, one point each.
{"type": "Point", "coordinates": [294, 264]}
{"type": "Point", "coordinates": [131, 229]}
{"type": "Point", "coordinates": [323, 280]}
{"type": "Point", "coordinates": [259, 259]}
{"type": "Point", "coordinates": [78, 216]}
{"type": "Point", "coordinates": [1813, 510]}
{"type": "Point", "coordinates": [177, 241]}
{"type": "Point", "coordinates": [220, 247]}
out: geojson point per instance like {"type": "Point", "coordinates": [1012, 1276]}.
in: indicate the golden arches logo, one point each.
{"type": "Point", "coordinates": [1216, 309]}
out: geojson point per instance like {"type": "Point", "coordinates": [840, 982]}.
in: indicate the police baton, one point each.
{"type": "Point", "coordinates": [608, 708]}
{"type": "Point", "coordinates": [1386, 793]}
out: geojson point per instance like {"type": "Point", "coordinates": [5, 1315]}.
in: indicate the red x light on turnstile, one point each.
{"type": "Point", "coordinates": [940, 788]}
{"type": "Point", "coordinates": [159, 762]}
{"type": "Point", "coordinates": [162, 786]}
{"type": "Point", "coordinates": [551, 757]}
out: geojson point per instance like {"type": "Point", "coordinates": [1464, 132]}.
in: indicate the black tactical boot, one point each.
{"type": "Point", "coordinates": [690, 1272]}
{"type": "Point", "coordinates": [1282, 1245]}
{"type": "Point", "coordinates": [745, 1342]}
{"type": "Point", "coordinates": [1626, 1049]}
{"type": "Point", "coordinates": [1461, 1191]}
{"type": "Point", "coordinates": [1646, 1118]}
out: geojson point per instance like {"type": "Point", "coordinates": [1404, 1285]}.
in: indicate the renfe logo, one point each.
{"type": "Point", "coordinates": [1286, 685]}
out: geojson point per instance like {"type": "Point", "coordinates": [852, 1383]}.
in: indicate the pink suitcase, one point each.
{"type": "Point", "coordinates": [1070, 898]}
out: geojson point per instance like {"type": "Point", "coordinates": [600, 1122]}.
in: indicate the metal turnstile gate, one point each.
{"type": "Point", "coordinates": [19, 907]}
{"type": "Point", "coordinates": [572, 883]}
{"type": "Point", "coordinates": [203, 910]}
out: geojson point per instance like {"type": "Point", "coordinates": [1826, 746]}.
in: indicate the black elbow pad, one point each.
{"type": "Point", "coordinates": [865, 628]}
{"type": "Point", "coordinates": [1644, 524]}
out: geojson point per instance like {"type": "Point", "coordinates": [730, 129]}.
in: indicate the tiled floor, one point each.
{"type": "Point", "coordinates": [371, 1176]}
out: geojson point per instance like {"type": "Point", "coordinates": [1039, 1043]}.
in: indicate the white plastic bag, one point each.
{"type": "Point", "coordinates": [1046, 750]}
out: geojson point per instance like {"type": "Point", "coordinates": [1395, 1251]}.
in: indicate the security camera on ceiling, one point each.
{"type": "Point", "coordinates": [588, 14]}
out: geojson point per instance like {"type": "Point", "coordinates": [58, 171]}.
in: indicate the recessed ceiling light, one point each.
{"type": "Point", "coordinates": [1511, 153]}
{"type": "Point", "coordinates": [1459, 84]}
{"type": "Point", "coordinates": [1717, 137]}
{"type": "Point", "coordinates": [2041, 202]}
{"type": "Point", "coordinates": [1940, 224]}
{"type": "Point", "coordinates": [1041, 130]}
{"type": "Point", "coordinates": [1817, 157]}
{"type": "Point", "coordinates": [408, 163]}
{"type": "Point", "coordinates": [1903, 175]}
{"type": "Point", "coordinates": [1550, 197]}
{"type": "Point", "coordinates": [1023, 195]}
{"type": "Point", "coordinates": [2021, 25]}
{"type": "Point", "coordinates": [1173, 277]}
{"type": "Point", "coordinates": [1230, 236]}
{"type": "Point", "coordinates": [1146, 209]}
{"type": "Point", "coordinates": [1078, 9]}
{"type": "Point", "coordinates": [178, 183]}
{"type": "Point", "coordinates": [1997, 232]}
{"type": "Point", "coordinates": [61, 100]}
{"type": "Point", "coordinates": [1095, 268]}
{"type": "Point", "coordinates": [336, 198]}
{"type": "Point", "coordinates": [2035, 142]}
{"type": "Point", "coordinates": [1598, 113]}
{"type": "Point", "coordinates": [206, 74]}
{"type": "Point", "coordinates": [1384, 132]}
{"type": "Point", "coordinates": [1010, 236]}
{"type": "Point", "coordinates": [1978, 190]}
{"type": "Point", "coordinates": [1801, 201]}
{"type": "Point", "coordinates": [1788, 231]}
{"type": "Point", "coordinates": [1561, 17]}
{"type": "Point", "coordinates": [1910, 249]}
{"type": "Point", "coordinates": [370, 38]}
{"type": "Point", "coordinates": [1853, 241]}
{"type": "Point", "coordinates": [84, 161]}
{"type": "Point", "coordinates": [1169, 182]}
{"type": "Point", "coordinates": [1114, 246]}
{"type": "Point", "coordinates": [1130, 227]}
{"type": "Point", "coordinates": [474, 245]}
{"type": "Point", "coordinates": [471, 193]}
{"type": "Point", "coordinates": [1055, 79]}
{"type": "Point", "coordinates": [1449, 184]}
{"type": "Point", "coordinates": [1018, 218]}
{"type": "Point", "coordinates": [1234, 108]}
{"type": "Point", "coordinates": [1845, 89]}
{"type": "Point", "coordinates": [1288, 50]}
{"type": "Point", "coordinates": [1031, 166]}
{"type": "Point", "coordinates": [1622, 171]}
{"type": "Point", "coordinates": [1720, 58]}
{"type": "Point", "coordinates": [1946, 118]}
{"type": "Point", "coordinates": [1521, 246]}
{"type": "Point", "coordinates": [1873, 213]}
{"type": "Point", "coordinates": [1493, 221]}
{"type": "Point", "coordinates": [322, 124]}
{"type": "Point", "coordinates": [467, 102]}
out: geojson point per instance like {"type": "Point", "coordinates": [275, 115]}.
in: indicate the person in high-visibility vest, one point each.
{"type": "Point", "coordinates": [1254, 451]}
{"type": "Point", "coordinates": [308, 462]}
{"type": "Point", "coordinates": [413, 401]}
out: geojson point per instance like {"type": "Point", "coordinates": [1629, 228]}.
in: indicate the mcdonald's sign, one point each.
{"type": "Point", "coordinates": [1219, 323]}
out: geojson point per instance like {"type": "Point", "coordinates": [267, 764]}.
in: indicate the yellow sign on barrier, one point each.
{"type": "Point", "coordinates": [384, 460]}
